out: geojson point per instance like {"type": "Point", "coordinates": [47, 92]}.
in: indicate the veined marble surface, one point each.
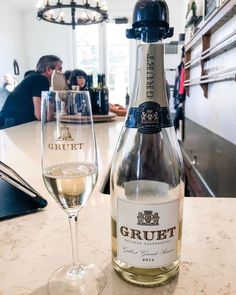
{"type": "Point", "coordinates": [33, 246]}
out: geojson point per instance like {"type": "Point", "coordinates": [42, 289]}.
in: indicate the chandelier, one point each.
{"type": "Point", "coordinates": [72, 12]}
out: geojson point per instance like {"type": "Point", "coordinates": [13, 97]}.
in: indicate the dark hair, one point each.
{"type": "Point", "coordinates": [67, 74]}
{"type": "Point", "coordinates": [47, 61]}
{"type": "Point", "coordinates": [75, 74]}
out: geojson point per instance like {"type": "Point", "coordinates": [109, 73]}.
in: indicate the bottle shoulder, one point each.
{"type": "Point", "coordinates": [150, 149]}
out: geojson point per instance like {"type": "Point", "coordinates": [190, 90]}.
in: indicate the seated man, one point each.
{"type": "Point", "coordinates": [24, 103]}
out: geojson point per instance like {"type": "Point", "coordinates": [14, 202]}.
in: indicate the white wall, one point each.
{"type": "Point", "coordinates": [46, 38]}
{"type": "Point", "coordinates": [25, 38]}
{"type": "Point", "coordinates": [217, 112]}
{"type": "Point", "coordinates": [177, 10]}
{"type": "Point", "coordinates": [12, 40]}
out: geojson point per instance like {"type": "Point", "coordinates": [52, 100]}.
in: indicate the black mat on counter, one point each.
{"type": "Point", "coordinates": [15, 202]}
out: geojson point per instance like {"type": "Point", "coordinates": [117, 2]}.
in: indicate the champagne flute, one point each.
{"type": "Point", "coordinates": [70, 170]}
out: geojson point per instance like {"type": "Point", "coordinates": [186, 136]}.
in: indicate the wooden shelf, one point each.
{"type": "Point", "coordinates": [194, 62]}
{"type": "Point", "coordinates": [216, 20]}
{"type": "Point", "coordinates": [213, 78]}
{"type": "Point", "coordinates": [225, 44]}
{"type": "Point", "coordinates": [207, 79]}
{"type": "Point", "coordinates": [192, 82]}
{"type": "Point", "coordinates": [219, 73]}
{"type": "Point", "coordinates": [203, 36]}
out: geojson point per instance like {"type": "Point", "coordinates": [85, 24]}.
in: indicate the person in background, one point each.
{"type": "Point", "coordinates": [24, 103]}
{"type": "Point", "coordinates": [179, 93]}
{"type": "Point", "coordinates": [4, 92]}
{"type": "Point", "coordinates": [78, 78]}
{"type": "Point", "coordinates": [168, 91]}
{"type": "Point", "coordinates": [9, 82]}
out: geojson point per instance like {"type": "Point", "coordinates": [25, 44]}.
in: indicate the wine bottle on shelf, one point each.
{"type": "Point", "coordinates": [146, 180]}
{"type": "Point", "coordinates": [71, 105]}
{"type": "Point", "coordinates": [90, 88]}
{"type": "Point", "coordinates": [127, 98]}
{"type": "Point", "coordinates": [194, 8]}
{"type": "Point", "coordinates": [89, 81]}
{"type": "Point", "coordinates": [98, 95]}
{"type": "Point", "coordinates": [105, 96]}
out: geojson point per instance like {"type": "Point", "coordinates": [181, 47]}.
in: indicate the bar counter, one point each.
{"type": "Point", "coordinates": [33, 246]}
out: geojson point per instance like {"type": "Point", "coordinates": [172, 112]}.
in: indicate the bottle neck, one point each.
{"type": "Point", "coordinates": [90, 81]}
{"type": "Point", "coordinates": [103, 80]}
{"type": "Point", "coordinates": [150, 83]}
{"type": "Point", "coordinates": [148, 109]}
{"type": "Point", "coordinates": [99, 80]}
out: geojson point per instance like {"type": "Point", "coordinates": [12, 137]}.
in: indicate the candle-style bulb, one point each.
{"type": "Point", "coordinates": [51, 14]}
{"type": "Point", "coordinates": [62, 17]}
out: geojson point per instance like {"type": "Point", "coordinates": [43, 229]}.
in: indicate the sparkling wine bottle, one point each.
{"type": "Point", "coordinates": [105, 96]}
{"type": "Point", "coordinates": [147, 170]}
{"type": "Point", "coordinates": [127, 98]}
{"type": "Point", "coordinates": [98, 94]}
{"type": "Point", "coordinates": [91, 90]}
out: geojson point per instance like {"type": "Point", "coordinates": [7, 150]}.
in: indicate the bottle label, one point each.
{"type": "Point", "coordinates": [147, 234]}
{"type": "Point", "coordinates": [149, 118]}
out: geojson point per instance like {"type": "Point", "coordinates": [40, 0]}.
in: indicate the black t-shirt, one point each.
{"type": "Point", "coordinates": [19, 107]}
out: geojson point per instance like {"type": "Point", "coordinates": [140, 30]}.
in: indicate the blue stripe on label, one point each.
{"type": "Point", "coordinates": [149, 118]}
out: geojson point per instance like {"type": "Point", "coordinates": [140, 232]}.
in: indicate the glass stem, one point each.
{"type": "Point", "coordinates": [73, 221]}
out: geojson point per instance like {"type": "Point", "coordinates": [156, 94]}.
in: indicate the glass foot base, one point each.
{"type": "Point", "coordinates": [87, 280]}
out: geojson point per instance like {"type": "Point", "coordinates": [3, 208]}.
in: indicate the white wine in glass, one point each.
{"type": "Point", "coordinates": [70, 170]}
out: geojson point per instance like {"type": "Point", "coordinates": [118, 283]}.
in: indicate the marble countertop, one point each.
{"type": "Point", "coordinates": [33, 246]}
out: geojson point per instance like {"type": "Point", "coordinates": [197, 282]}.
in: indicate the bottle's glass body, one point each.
{"type": "Point", "coordinates": [98, 95]}
{"type": "Point", "coordinates": [147, 181]}
{"type": "Point", "coordinates": [92, 93]}
{"type": "Point", "coordinates": [105, 96]}
{"type": "Point", "coordinates": [127, 98]}
{"type": "Point", "coordinates": [101, 95]}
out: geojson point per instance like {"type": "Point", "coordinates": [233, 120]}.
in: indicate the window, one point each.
{"type": "Point", "coordinates": [88, 48]}
{"type": "Point", "coordinates": [117, 62]}
{"type": "Point", "coordinates": [171, 48]}
{"type": "Point", "coordinates": [113, 60]}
